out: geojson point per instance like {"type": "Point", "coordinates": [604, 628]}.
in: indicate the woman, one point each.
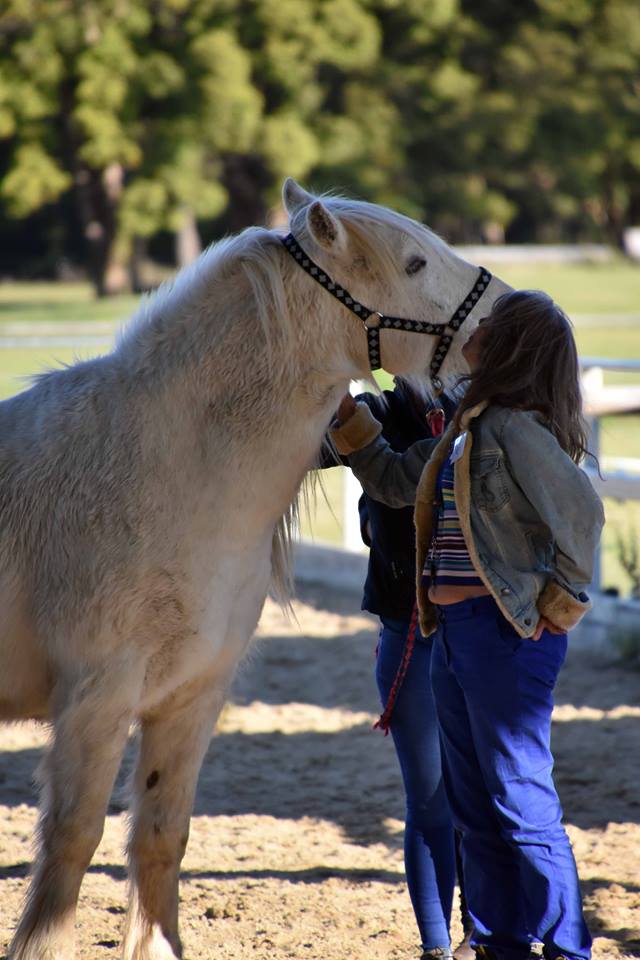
{"type": "Point", "coordinates": [389, 593]}
{"type": "Point", "coordinates": [507, 527]}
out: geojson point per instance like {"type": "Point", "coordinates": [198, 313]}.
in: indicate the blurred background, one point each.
{"type": "Point", "coordinates": [133, 132]}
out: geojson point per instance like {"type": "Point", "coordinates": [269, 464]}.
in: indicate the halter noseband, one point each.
{"type": "Point", "coordinates": [374, 321]}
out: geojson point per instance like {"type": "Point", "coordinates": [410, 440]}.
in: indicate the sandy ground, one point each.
{"type": "Point", "coordinates": [296, 839]}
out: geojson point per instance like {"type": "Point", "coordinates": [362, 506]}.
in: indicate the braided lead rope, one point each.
{"type": "Point", "coordinates": [384, 720]}
{"type": "Point", "coordinates": [382, 322]}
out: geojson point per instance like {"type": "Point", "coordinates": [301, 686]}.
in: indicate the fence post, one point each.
{"type": "Point", "coordinates": [351, 539]}
{"type": "Point", "coordinates": [593, 379]}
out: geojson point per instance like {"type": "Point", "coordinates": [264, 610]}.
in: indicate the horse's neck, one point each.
{"type": "Point", "coordinates": [234, 404]}
{"type": "Point", "coordinates": [268, 446]}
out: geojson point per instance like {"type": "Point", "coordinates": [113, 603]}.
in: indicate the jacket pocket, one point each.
{"type": "Point", "coordinates": [489, 489]}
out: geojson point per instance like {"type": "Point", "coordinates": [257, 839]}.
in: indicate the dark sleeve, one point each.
{"type": "Point", "coordinates": [363, 510]}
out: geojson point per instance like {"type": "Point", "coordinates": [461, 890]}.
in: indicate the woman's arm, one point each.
{"type": "Point", "coordinates": [387, 476]}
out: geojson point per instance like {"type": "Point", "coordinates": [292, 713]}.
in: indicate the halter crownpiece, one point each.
{"type": "Point", "coordinates": [374, 321]}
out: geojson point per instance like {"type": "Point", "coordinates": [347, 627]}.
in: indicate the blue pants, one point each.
{"type": "Point", "coordinates": [494, 697]}
{"type": "Point", "coordinates": [428, 836]}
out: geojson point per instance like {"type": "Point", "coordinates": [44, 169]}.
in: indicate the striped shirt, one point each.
{"type": "Point", "coordinates": [448, 560]}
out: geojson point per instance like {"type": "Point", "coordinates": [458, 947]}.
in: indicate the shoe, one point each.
{"type": "Point", "coordinates": [437, 953]}
{"type": "Point", "coordinates": [464, 950]}
{"type": "Point", "coordinates": [483, 952]}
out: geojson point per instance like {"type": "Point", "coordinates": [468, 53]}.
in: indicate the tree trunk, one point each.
{"type": "Point", "coordinates": [246, 178]}
{"type": "Point", "coordinates": [188, 243]}
{"type": "Point", "coordinates": [633, 215]}
{"type": "Point", "coordinates": [136, 261]}
{"type": "Point", "coordinates": [115, 273]}
{"type": "Point", "coordinates": [614, 212]}
{"type": "Point", "coordinates": [98, 193]}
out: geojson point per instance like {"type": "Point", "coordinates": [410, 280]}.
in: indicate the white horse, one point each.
{"type": "Point", "coordinates": [143, 505]}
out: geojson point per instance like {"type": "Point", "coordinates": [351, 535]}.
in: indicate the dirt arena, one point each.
{"type": "Point", "coordinates": [296, 839]}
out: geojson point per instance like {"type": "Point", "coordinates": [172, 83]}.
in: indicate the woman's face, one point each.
{"type": "Point", "coordinates": [472, 349]}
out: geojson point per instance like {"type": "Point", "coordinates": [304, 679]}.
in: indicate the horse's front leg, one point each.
{"type": "Point", "coordinates": [92, 718]}
{"type": "Point", "coordinates": [172, 747]}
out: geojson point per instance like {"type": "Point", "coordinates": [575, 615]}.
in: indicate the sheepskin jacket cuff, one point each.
{"type": "Point", "coordinates": [561, 607]}
{"type": "Point", "coordinates": [358, 431]}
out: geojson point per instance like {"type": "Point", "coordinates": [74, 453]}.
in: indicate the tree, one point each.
{"type": "Point", "coordinates": [107, 101]}
{"type": "Point", "coordinates": [148, 113]}
{"type": "Point", "coordinates": [492, 118]}
{"type": "Point", "coordinates": [485, 119]}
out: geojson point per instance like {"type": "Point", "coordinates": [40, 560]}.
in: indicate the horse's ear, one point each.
{"type": "Point", "coordinates": [325, 229]}
{"type": "Point", "coordinates": [293, 195]}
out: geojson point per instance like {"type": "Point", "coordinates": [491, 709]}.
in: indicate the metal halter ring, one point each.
{"type": "Point", "coordinates": [374, 320]}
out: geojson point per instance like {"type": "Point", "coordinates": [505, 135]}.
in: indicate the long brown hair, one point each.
{"type": "Point", "coordinates": [529, 361]}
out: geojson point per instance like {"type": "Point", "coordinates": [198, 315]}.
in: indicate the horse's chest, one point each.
{"type": "Point", "coordinates": [204, 628]}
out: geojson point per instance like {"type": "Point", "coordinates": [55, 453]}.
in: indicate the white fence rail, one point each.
{"type": "Point", "coordinates": [620, 478]}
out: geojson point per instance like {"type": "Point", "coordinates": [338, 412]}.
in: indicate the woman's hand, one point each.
{"type": "Point", "coordinates": [544, 624]}
{"type": "Point", "coordinates": [346, 410]}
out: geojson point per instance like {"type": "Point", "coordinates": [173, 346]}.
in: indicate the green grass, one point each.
{"type": "Point", "coordinates": [60, 303]}
{"type": "Point", "coordinates": [19, 364]}
{"type": "Point", "coordinates": [16, 365]}
{"type": "Point", "coordinates": [608, 289]}
{"type": "Point", "coordinates": [581, 288]}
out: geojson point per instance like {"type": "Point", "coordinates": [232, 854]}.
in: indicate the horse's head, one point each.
{"type": "Point", "coordinates": [392, 265]}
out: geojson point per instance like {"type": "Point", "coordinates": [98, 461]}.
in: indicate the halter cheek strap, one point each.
{"type": "Point", "coordinates": [482, 282]}
{"type": "Point", "coordinates": [374, 321]}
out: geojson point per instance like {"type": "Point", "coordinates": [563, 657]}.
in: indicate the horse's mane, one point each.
{"type": "Point", "coordinates": [255, 252]}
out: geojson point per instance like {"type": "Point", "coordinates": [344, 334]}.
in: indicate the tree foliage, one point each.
{"type": "Point", "coordinates": [481, 117]}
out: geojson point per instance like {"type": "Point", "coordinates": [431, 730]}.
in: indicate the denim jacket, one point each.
{"type": "Point", "coordinates": [530, 517]}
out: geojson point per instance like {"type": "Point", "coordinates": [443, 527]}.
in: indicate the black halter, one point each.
{"type": "Point", "coordinates": [374, 321]}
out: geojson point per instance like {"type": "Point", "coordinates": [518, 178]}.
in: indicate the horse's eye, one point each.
{"type": "Point", "coordinates": [415, 264]}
